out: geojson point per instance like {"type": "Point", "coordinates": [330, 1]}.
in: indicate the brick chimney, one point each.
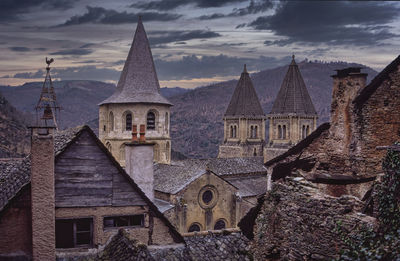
{"type": "Point", "coordinates": [42, 193]}
{"type": "Point", "coordinates": [139, 163]}
{"type": "Point", "coordinates": [346, 85]}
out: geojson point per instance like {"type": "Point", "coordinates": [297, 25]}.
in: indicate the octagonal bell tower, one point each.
{"type": "Point", "coordinates": [136, 101]}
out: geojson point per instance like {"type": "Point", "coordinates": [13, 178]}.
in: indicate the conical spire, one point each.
{"type": "Point", "coordinates": [244, 101]}
{"type": "Point", "coordinates": [293, 96]}
{"type": "Point", "coordinates": [138, 82]}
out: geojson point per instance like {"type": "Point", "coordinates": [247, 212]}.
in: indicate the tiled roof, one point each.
{"type": "Point", "coordinates": [16, 173]}
{"type": "Point", "coordinates": [250, 186]}
{"type": "Point", "coordinates": [293, 96]}
{"type": "Point", "coordinates": [244, 101]}
{"type": "Point", "coordinates": [162, 205]}
{"type": "Point", "coordinates": [138, 82]}
{"type": "Point", "coordinates": [175, 177]}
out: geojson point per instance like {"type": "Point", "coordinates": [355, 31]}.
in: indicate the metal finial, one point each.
{"type": "Point", "coordinates": [140, 19]}
{"type": "Point", "coordinates": [245, 69]}
{"type": "Point", "coordinates": [49, 61]}
{"type": "Point", "coordinates": [293, 57]}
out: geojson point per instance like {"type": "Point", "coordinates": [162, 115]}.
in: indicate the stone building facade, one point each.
{"type": "Point", "coordinates": [136, 101]}
{"type": "Point", "coordinates": [244, 122]}
{"type": "Point", "coordinates": [341, 157]}
{"type": "Point", "coordinates": [293, 116]}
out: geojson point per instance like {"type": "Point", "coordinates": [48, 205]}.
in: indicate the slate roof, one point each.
{"type": "Point", "coordinates": [293, 96]}
{"type": "Point", "coordinates": [175, 177]}
{"type": "Point", "coordinates": [138, 82]}
{"type": "Point", "coordinates": [244, 101]}
{"type": "Point", "coordinates": [250, 186]}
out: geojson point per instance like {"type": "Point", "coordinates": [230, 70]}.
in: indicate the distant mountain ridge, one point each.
{"type": "Point", "coordinates": [196, 119]}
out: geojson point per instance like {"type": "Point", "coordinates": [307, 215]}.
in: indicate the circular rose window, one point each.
{"type": "Point", "coordinates": [208, 197]}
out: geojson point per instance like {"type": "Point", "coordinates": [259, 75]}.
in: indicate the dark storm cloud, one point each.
{"type": "Point", "coordinates": [254, 7]}
{"type": "Point", "coordinates": [19, 49]}
{"type": "Point", "coordinates": [74, 52]}
{"type": "Point", "coordinates": [180, 36]}
{"type": "Point", "coordinates": [163, 5]}
{"type": "Point", "coordinates": [191, 66]}
{"type": "Point", "coordinates": [11, 9]}
{"type": "Point", "coordinates": [330, 22]}
{"type": "Point", "coordinates": [101, 15]}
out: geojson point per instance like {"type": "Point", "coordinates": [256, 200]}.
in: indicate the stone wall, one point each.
{"type": "Point", "coordinates": [118, 136]}
{"type": "Point", "coordinates": [297, 222]}
{"type": "Point", "coordinates": [16, 229]}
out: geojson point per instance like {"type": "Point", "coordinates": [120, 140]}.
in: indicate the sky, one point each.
{"type": "Point", "coordinates": [194, 42]}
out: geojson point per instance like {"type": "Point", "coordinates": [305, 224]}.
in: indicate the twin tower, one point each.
{"type": "Point", "coordinates": [137, 101]}
{"type": "Point", "coordinates": [291, 119]}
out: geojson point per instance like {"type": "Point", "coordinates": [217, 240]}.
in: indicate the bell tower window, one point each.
{"type": "Point", "coordinates": [128, 122]}
{"type": "Point", "coordinates": [151, 120]}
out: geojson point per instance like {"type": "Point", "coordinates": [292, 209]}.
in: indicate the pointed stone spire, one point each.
{"type": "Point", "coordinates": [244, 101]}
{"type": "Point", "coordinates": [138, 82]}
{"type": "Point", "coordinates": [293, 96]}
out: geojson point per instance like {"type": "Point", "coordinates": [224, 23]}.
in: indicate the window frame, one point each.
{"type": "Point", "coordinates": [129, 226]}
{"type": "Point", "coordinates": [74, 232]}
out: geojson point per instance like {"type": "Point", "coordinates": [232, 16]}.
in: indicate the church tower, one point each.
{"type": "Point", "coordinates": [244, 122]}
{"type": "Point", "coordinates": [136, 101]}
{"type": "Point", "coordinates": [293, 116]}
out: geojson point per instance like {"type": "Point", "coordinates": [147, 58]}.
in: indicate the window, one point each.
{"type": "Point", "coordinates": [253, 132]}
{"type": "Point", "coordinates": [167, 149]}
{"type": "Point", "coordinates": [231, 131]}
{"type": "Point", "coordinates": [220, 224]}
{"type": "Point", "coordinates": [74, 232]}
{"type": "Point", "coordinates": [279, 132]}
{"type": "Point", "coordinates": [307, 130]}
{"type": "Point", "coordinates": [207, 196]}
{"type": "Point", "coordinates": [124, 221]}
{"type": "Point", "coordinates": [255, 152]}
{"type": "Point", "coordinates": [303, 132]}
{"type": "Point", "coordinates": [151, 120]}
{"type": "Point", "coordinates": [111, 121]}
{"type": "Point", "coordinates": [128, 122]}
{"type": "Point", "coordinates": [194, 227]}
{"type": "Point", "coordinates": [166, 122]}
{"type": "Point", "coordinates": [284, 132]}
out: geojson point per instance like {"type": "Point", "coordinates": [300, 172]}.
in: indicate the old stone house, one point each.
{"type": "Point", "coordinates": [71, 195]}
{"type": "Point", "coordinates": [136, 101]}
{"type": "Point", "coordinates": [292, 117]}
{"type": "Point", "coordinates": [342, 156]}
{"type": "Point", "coordinates": [244, 122]}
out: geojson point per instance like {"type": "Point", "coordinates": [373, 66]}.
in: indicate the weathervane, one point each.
{"type": "Point", "coordinates": [47, 102]}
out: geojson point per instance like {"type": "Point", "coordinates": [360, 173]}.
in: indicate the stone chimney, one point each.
{"type": "Point", "coordinates": [346, 85]}
{"type": "Point", "coordinates": [139, 163]}
{"type": "Point", "coordinates": [42, 193]}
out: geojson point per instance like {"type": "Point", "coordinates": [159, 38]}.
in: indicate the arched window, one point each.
{"type": "Point", "coordinates": [166, 122]}
{"type": "Point", "coordinates": [111, 121]}
{"type": "Point", "coordinates": [108, 146]}
{"type": "Point", "coordinates": [122, 152]}
{"type": "Point", "coordinates": [128, 122]}
{"type": "Point", "coordinates": [151, 120]}
{"type": "Point", "coordinates": [231, 133]}
{"type": "Point", "coordinates": [307, 130]}
{"type": "Point", "coordinates": [303, 132]}
{"type": "Point", "coordinates": [251, 132]}
{"type": "Point", "coordinates": [279, 132]}
{"type": "Point", "coordinates": [255, 131]}
{"type": "Point", "coordinates": [167, 150]}
{"type": "Point", "coordinates": [255, 152]}
{"type": "Point", "coordinates": [234, 131]}
{"type": "Point", "coordinates": [194, 227]}
{"type": "Point", "coordinates": [284, 132]}
{"type": "Point", "coordinates": [220, 224]}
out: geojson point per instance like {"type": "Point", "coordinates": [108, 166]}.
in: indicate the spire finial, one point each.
{"type": "Point", "coordinates": [244, 69]}
{"type": "Point", "coordinates": [140, 19]}
{"type": "Point", "coordinates": [293, 61]}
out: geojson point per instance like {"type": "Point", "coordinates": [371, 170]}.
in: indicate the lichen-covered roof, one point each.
{"type": "Point", "coordinates": [138, 82]}
{"type": "Point", "coordinates": [244, 101]}
{"type": "Point", "coordinates": [16, 173]}
{"type": "Point", "coordinates": [293, 96]}
{"type": "Point", "coordinates": [175, 177]}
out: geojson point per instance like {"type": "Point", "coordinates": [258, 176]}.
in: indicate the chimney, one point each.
{"type": "Point", "coordinates": [346, 85]}
{"type": "Point", "coordinates": [134, 133]}
{"type": "Point", "coordinates": [139, 163]}
{"type": "Point", "coordinates": [42, 193]}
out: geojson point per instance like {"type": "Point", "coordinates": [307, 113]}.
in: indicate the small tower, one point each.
{"type": "Point", "coordinates": [136, 101]}
{"type": "Point", "coordinates": [244, 122]}
{"type": "Point", "coordinates": [293, 116]}
{"type": "Point", "coordinates": [47, 102]}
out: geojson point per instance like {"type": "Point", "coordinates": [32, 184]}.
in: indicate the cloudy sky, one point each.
{"type": "Point", "coordinates": [194, 42]}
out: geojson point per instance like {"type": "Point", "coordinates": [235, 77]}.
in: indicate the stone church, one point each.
{"type": "Point", "coordinates": [292, 117]}
{"type": "Point", "coordinates": [136, 101]}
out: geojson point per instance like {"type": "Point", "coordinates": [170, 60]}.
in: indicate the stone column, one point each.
{"type": "Point", "coordinates": [42, 193]}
